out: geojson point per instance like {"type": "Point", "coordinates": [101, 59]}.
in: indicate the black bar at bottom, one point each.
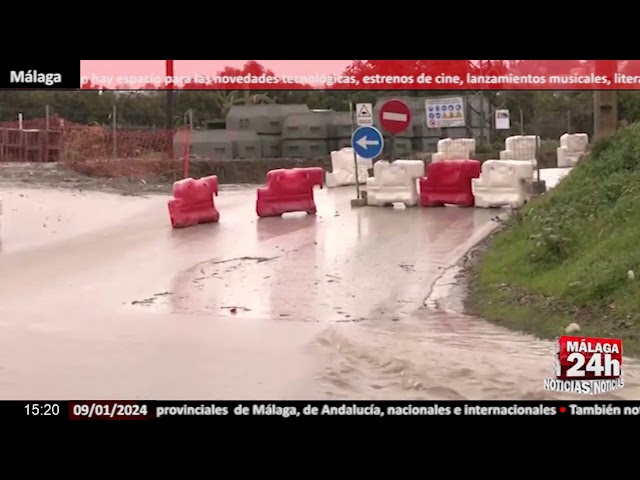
{"type": "Point", "coordinates": [376, 411]}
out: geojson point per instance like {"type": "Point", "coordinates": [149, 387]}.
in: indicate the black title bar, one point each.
{"type": "Point", "coordinates": [40, 74]}
{"type": "Point", "coordinates": [202, 410]}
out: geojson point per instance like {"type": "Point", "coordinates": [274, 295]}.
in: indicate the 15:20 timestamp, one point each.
{"type": "Point", "coordinates": [42, 409]}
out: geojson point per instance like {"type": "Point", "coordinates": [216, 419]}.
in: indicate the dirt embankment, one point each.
{"type": "Point", "coordinates": [137, 177]}
{"type": "Point", "coordinates": [56, 175]}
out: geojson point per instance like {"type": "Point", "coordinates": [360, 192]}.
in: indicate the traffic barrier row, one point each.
{"type": "Point", "coordinates": [287, 190]}
{"type": "Point", "coordinates": [465, 183]}
{"type": "Point", "coordinates": [573, 146]}
{"type": "Point", "coordinates": [462, 182]}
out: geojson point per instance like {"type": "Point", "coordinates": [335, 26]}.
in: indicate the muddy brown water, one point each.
{"type": "Point", "coordinates": [100, 298]}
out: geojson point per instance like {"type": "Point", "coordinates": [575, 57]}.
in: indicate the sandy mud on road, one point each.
{"type": "Point", "coordinates": [100, 298]}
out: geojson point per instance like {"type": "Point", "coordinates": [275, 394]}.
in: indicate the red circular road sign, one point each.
{"type": "Point", "coordinates": [395, 116]}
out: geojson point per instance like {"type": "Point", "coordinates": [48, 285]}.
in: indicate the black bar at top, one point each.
{"type": "Point", "coordinates": [40, 74]}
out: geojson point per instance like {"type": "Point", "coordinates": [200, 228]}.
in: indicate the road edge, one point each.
{"type": "Point", "coordinates": [450, 287]}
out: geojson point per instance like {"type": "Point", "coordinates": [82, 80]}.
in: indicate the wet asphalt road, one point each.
{"type": "Point", "coordinates": [100, 298]}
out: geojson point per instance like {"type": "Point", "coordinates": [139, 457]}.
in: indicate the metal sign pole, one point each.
{"type": "Point", "coordinates": [355, 155]}
{"type": "Point", "coordinates": [115, 131]}
{"type": "Point", "coordinates": [393, 147]}
{"type": "Point", "coordinates": [367, 143]}
{"type": "Point", "coordinates": [539, 187]}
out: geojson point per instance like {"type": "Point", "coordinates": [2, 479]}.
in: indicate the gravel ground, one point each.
{"type": "Point", "coordinates": [53, 175]}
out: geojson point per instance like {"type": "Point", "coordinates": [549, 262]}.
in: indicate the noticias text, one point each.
{"type": "Point", "coordinates": [585, 387]}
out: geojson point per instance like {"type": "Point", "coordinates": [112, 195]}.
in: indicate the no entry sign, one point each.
{"type": "Point", "coordinates": [395, 116]}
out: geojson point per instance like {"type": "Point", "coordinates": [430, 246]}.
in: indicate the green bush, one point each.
{"type": "Point", "coordinates": [578, 242]}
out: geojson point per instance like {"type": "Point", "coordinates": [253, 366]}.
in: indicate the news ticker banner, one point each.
{"type": "Point", "coordinates": [291, 410]}
{"type": "Point", "coordinates": [261, 75]}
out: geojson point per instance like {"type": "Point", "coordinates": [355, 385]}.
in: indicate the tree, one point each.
{"type": "Point", "coordinates": [225, 100]}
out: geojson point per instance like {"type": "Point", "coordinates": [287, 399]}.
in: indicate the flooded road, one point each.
{"type": "Point", "coordinates": [100, 298]}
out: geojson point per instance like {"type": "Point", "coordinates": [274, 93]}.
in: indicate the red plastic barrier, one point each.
{"type": "Point", "coordinates": [289, 190]}
{"type": "Point", "coordinates": [449, 182]}
{"type": "Point", "coordinates": [192, 202]}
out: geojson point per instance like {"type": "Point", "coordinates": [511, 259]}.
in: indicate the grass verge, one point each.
{"type": "Point", "coordinates": [566, 257]}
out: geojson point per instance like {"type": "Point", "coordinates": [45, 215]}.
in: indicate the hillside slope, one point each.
{"type": "Point", "coordinates": [566, 257]}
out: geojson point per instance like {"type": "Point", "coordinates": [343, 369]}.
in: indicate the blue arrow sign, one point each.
{"type": "Point", "coordinates": [367, 142]}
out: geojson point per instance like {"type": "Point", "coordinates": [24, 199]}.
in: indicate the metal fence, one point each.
{"type": "Point", "coordinates": [101, 149]}
{"type": "Point", "coordinates": [109, 148]}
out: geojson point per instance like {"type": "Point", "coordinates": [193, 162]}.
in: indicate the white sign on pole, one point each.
{"type": "Point", "coordinates": [364, 114]}
{"type": "Point", "coordinates": [502, 120]}
{"type": "Point", "coordinates": [445, 112]}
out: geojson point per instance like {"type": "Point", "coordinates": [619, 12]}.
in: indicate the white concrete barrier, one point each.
{"type": "Point", "coordinates": [502, 183]}
{"type": "Point", "coordinates": [343, 169]}
{"type": "Point", "coordinates": [572, 148]}
{"type": "Point", "coordinates": [454, 149]}
{"type": "Point", "coordinates": [395, 182]}
{"type": "Point", "coordinates": [521, 148]}
{"type": "Point", "coordinates": [553, 176]}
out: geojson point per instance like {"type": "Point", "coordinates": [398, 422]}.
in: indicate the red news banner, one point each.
{"type": "Point", "coordinates": [263, 75]}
